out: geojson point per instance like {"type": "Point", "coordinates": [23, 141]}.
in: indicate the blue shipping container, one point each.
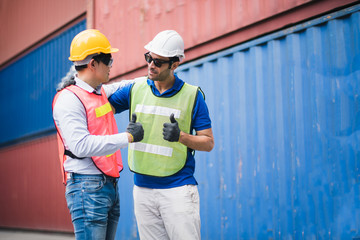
{"type": "Point", "coordinates": [285, 113]}
{"type": "Point", "coordinates": [29, 86]}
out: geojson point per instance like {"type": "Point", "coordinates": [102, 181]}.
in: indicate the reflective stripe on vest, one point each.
{"type": "Point", "coordinates": [101, 121]}
{"type": "Point", "coordinates": [155, 156]}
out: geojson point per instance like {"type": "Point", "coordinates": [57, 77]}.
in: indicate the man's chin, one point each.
{"type": "Point", "coordinates": [152, 77]}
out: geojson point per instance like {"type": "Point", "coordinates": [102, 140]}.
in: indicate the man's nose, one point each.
{"type": "Point", "coordinates": [151, 64]}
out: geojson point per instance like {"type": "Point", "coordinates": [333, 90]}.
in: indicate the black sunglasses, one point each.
{"type": "Point", "coordinates": [104, 58]}
{"type": "Point", "coordinates": [157, 62]}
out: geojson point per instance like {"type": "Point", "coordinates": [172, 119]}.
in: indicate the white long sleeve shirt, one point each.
{"type": "Point", "coordinates": [70, 117]}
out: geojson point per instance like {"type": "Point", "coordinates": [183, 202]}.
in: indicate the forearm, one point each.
{"type": "Point", "coordinates": [197, 142]}
{"type": "Point", "coordinates": [70, 118]}
{"type": "Point", "coordinates": [114, 86]}
{"type": "Point", "coordinates": [92, 145]}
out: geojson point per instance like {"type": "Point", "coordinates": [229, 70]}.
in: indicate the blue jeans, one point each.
{"type": "Point", "coordinates": [93, 201]}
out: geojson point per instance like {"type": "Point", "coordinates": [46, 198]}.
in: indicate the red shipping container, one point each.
{"type": "Point", "coordinates": [32, 192]}
{"type": "Point", "coordinates": [206, 26]}
{"type": "Point", "coordinates": [28, 22]}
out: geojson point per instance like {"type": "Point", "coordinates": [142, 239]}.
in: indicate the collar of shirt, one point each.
{"type": "Point", "coordinates": [170, 92]}
{"type": "Point", "coordinates": [80, 83]}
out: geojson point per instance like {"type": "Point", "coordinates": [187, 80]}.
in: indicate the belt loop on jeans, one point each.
{"type": "Point", "coordinates": [104, 177]}
{"type": "Point", "coordinates": [116, 182]}
{"type": "Point", "coordinates": [70, 176]}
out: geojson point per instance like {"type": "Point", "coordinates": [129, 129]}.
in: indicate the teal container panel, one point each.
{"type": "Point", "coordinates": [285, 112]}
{"type": "Point", "coordinates": [29, 85]}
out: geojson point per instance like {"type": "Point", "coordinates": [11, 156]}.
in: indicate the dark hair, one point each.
{"type": "Point", "coordinates": [102, 57]}
{"type": "Point", "coordinates": [80, 68]}
{"type": "Point", "coordinates": [174, 59]}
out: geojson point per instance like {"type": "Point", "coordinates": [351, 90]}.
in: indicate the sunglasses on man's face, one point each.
{"type": "Point", "coordinates": [106, 59]}
{"type": "Point", "coordinates": [110, 62]}
{"type": "Point", "coordinates": [157, 62]}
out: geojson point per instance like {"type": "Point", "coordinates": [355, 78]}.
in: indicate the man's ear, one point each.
{"type": "Point", "coordinates": [91, 64]}
{"type": "Point", "coordinates": [175, 65]}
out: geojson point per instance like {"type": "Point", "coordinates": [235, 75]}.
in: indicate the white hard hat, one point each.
{"type": "Point", "coordinates": [167, 43]}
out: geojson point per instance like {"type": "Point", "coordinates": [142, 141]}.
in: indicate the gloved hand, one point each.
{"type": "Point", "coordinates": [65, 84]}
{"type": "Point", "coordinates": [135, 129]}
{"type": "Point", "coordinates": [171, 131]}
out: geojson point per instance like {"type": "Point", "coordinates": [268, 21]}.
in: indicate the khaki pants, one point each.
{"type": "Point", "coordinates": [172, 213]}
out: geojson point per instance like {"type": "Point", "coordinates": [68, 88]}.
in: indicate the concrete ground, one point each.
{"type": "Point", "coordinates": [7, 234]}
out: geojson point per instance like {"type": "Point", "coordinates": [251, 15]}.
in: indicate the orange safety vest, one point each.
{"type": "Point", "coordinates": [101, 121]}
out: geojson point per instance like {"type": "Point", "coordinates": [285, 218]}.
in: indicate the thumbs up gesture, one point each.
{"type": "Point", "coordinates": [135, 129]}
{"type": "Point", "coordinates": [171, 131]}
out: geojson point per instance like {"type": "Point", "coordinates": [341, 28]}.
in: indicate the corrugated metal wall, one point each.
{"type": "Point", "coordinates": [205, 25]}
{"type": "Point", "coordinates": [286, 118]}
{"type": "Point", "coordinates": [32, 193]}
{"type": "Point", "coordinates": [30, 87]}
{"type": "Point", "coordinates": [25, 22]}
{"type": "Point", "coordinates": [196, 21]}
{"type": "Point", "coordinates": [285, 112]}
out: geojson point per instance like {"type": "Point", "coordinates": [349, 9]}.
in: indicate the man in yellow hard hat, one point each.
{"type": "Point", "coordinates": [89, 141]}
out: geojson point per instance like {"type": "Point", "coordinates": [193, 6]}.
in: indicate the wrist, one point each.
{"type": "Point", "coordinates": [181, 136]}
{"type": "Point", "coordinates": [130, 137]}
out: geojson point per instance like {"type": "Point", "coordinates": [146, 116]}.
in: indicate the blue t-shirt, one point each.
{"type": "Point", "coordinates": [200, 121]}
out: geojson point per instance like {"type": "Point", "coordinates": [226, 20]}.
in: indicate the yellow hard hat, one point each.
{"type": "Point", "coordinates": [87, 42]}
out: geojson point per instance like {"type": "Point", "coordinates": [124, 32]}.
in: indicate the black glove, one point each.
{"type": "Point", "coordinates": [65, 84]}
{"type": "Point", "coordinates": [135, 129]}
{"type": "Point", "coordinates": [171, 131]}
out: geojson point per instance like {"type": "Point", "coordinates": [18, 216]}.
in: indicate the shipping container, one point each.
{"type": "Point", "coordinates": [32, 193]}
{"type": "Point", "coordinates": [285, 116]}
{"type": "Point", "coordinates": [35, 47]}
{"type": "Point", "coordinates": [285, 112]}
{"type": "Point", "coordinates": [25, 23]}
{"type": "Point", "coordinates": [30, 86]}
{"type": "Point", "coordinates": [206, 26]}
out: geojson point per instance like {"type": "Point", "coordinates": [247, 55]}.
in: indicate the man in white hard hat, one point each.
{"type": "Point", "coordinates": [166, 198]}
{"type": "Point", "coordinates": [88, 139]}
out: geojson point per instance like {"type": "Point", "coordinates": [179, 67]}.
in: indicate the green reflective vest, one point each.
{"type": "Point", "coordinates": [153, 155]}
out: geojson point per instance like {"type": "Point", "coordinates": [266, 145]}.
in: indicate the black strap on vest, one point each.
{"type": "Point", "coordinates": [70, 154]}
